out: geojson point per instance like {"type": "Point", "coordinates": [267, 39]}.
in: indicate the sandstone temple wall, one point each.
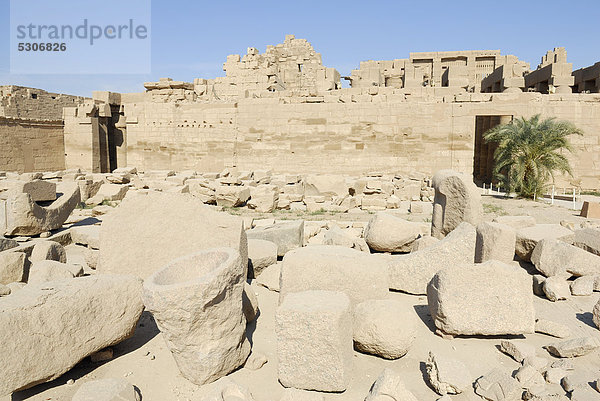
{"type": "Point", "coordinates": [28, 145]}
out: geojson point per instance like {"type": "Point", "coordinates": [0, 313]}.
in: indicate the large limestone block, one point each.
{"type": "Point", "coordinates": [197, 303]}
{"type": "Point", "coordinates": [495, 241]}
{"type": "Point", "coordinates": [232, 195]}
{"type": "Point", "coordinates": [553, 257]}
{"type": "Point", "coordinates": [261, 254]}
{"type": "Point", "coordinates": [326, 184]}
{"type": "Point", "coordinates": [287, 235]}
{"type": "Point", "coordinates": [146, 232]}
{"type": "Point", "coordinates": [25, 217]}
{"type": "Point", "coordinates": [50, 270]}
{"type": "Point", "coordinates": [359, 275]}
{"type": "Point", "coordinates": [384, 328]}
{"type": "Point", "coordinates": [389, 386]}
{"type": "Point", "coordinates": [39, 190]}
{"type": "Point", "coordinates": [78, 317]}
{"type": "Point", "coordinates": [528, 237]}
{"type": "Point", "coordinates": [314, 341]}
{"type": "Point", "coordinates": [48, 250]}
{"type": "Point", "coordinates": [491, 298]}
{"type": "Point", "coordinates": [457, 199]}
{"type": "Point", "coordinates": [108, 192]}
{"type": "Point", "coordinates": [411, 273]}
{"type": "Point", "coordinates": [263, 198]}
{"type": "Point", "coordinates": [12, 266]}
{"type": "Point", "coordinates": [389, 233]}
{"type": "Point", "coordinates": [588, 239]}
{"type": "Point", "coordinates": [86, 235]}
{"type": "Point", "coordinates": [7, 243]}
{"type": "Point", "coordinates": [107, 390]}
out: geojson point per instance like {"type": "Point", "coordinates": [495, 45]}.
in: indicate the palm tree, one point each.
{"type": "Point", "coordinates": [529, 152]}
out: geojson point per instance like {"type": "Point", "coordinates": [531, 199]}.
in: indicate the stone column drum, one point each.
{"type": "Point", "coordinates": [197, 303]}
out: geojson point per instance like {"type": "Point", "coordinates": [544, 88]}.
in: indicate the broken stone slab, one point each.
{"type": "Point", "coordinates": [457, 199]}
{"type": "Point", "coordinates": [388, 233]}
{"type": "Point", "coordinates": [498, 385]}
{"type": "Point", "coordinates": [39, 190]}
{"type": "Point", "coordinates": [287, 235]}
{"type": "Point", "coordinates": [529, 377]}
{"type": "Point", "coordinates": [552, 328]}
{"type": "Point", "coordinates": [261, 254]}
{"type": "Point", "coordinates": [583, 286]}
{"type": "Point", "coordinates": [86, 235]}
{"type": "Point", "coordinates": [385, 328]}
{"type": "Point", "coordinates": [148, 231]}
{"type": "Point", "coordinates": [50, 270]}
{"type": "Point", "coordinates": [495, 241]}
{"type": "Point", "coordinates": [447, 375]}
{"type": "Point", "coordinates": [314, 341]}
{"type": "Point", "coordinates": [7, 243]}
{"type": "Point", "coordinates": [269, 277]}
{"type": "Point", "coordinates": [232, 195]}
{"type": "Point", "coordinates": [48, 250]}
{"type": "Point", "coordinates": [554, 375]}
{"type": "Point", "coordinates": [528, 237]}
{"type": "Point", "coordinates": [557, 288]}
{"type": "Point", "coordinates": [359, 275]}
{"type": "Point", "coordinates": [491, 298]}
{"type": "Point", "coordinates": [574, 347]}
{"type": "Point", "coordinates": [39, 319]}
{"type": "Point", "coordinates": [25, 217]}
{"type": "Point", "coordinates": [263, 198]}
{"type": "Point", "coordinates": [411, 273]}
{"type": "Point", "coordinates": [389, 385]}
{"type": "Point", "coordinates": [516, 222]}
{"type": "Point", "coordinates": [107, 390]}
{"type": "Point", "coordinates": [552, 257]}
{"type": "Point", "coordinates": [198, 306]}
{"type": "Point", "coordinates": [423, 242]}
{"type": "Point", "coordinates": [12, 266]}
{"type": "Point", "coordinates": [517, 350]}
{"type": "Point", "coordinates": [109, 193]}
{"type": "Point", "coordinates": [588, 239]}
{"type": "Point", "coordinates": [249, 303]}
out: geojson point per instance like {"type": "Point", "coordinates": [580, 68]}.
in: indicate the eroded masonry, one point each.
{"type": "Point", "coordinates": [285, 109]}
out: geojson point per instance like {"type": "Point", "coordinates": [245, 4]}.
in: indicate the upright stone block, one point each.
{"type": "Point", "coordinates": [495, 241]}
{"type": "Point", "coordinates": [314, 341]}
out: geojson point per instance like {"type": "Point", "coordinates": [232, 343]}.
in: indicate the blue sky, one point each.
{"type": "Point", "coordinates": [191, 39]}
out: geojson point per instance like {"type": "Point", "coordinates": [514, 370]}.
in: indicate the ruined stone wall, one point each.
{"type": "Point", "coordinates": [34, 104]}
{"type": "Point", "coordinates": [344, 133]}
{"type": "Point", "coordinates": [27, 145]}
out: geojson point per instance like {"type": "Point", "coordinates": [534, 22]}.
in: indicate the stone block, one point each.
{"type": "Point", "coordinates": [287, 235]}
{"type": "Point", "coordinates": [495, 241]}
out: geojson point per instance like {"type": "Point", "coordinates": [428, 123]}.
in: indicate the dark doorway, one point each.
{"type": "Point", "coordinates": [483, 158]}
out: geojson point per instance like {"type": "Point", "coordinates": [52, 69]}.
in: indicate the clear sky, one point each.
{"type": "Point", "coordinates": [192, 38]}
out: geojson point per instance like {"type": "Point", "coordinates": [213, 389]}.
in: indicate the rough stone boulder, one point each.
{"type": "Point", "coordinates": [263, 198]}
{"type": "Point", "coordinates": [388, 233]}
{"type": "Point", "coordinates": [12, 266]}
{"type": "Point", "coordinates": [528, 237]}
{"type": "Point", "coordinates": [314, 341]}
{"type": "Point", "coordinates": [411, 273]}
{"type": "Point", "coordinates": [50, 270]}
{"type": "Point", "coordinates": [148, 231]}
{"type": "Point", "coordinates": [261, 254]}
{"type": "Point", "coordinates": [107, 390]}
{"type": "Point", "coordinates": [20, 215]}
{"type": "Point", "coordinates": [78, 317]}
{"type": "Point", "coordinates": [389, 386]}
{"type": "Point", "coordinates": [588, 239]}
{"type": "Point", "coordinates": [40, 190]}
{"type": "Point", "coordinates": [48, 250]}
{"type": "Point", "coordinates": [108, 192]}
{"type": "Point", "coordinates": [359, 275]}
{"type": "Point", "coordinates": [495, 241]}
{"type": "Point", "coordinates": [385, 328]}
{"type": "Point", "coordinates": [553, 257]}
{"type": "Point", "coordinates": [287, 235]}
{"type": "Point", "coordinates": [457, 199]}
{"type": "Point", "coordinates": [491, 298]}
{"type": "Point", "coordinates": [232, 195]}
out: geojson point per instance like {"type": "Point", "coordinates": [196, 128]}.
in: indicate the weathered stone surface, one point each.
{"type": "Point", "coordinates": [261, 254]}
{"type": "Point", "coordinates": [528, 237]}
{"type": "Point", "coordinates": [529, 377]}
{"type": "Point", "coordinates": [48, 250]}
{"type": "Point", "coordinates": [411, 273]}
{"type": "Point", "coordinates": [588, 239]}
{"type": "Point", "coordinates": [293, 394]}
{"type": "Point", "coordinates": [108, 192]}
{"type": "Point", "coordinates": [336, 236]}
{"type": "Point", "coordinates": [86, 235]}
{"type": "Point", "coordinates": [583, 286]}
{"type": "Point", "coordinates": [554, 375]}
{"type": "Point", "coordinates": [457, 200]}
{"type": "Point", "coordinates": [25, 217]}
{"type": "Point", "coordinates": [498, 385]}
{"type": "Point", "coordinates": [596, 314]}
{"type": "Point", "coordinates": [12, 266]}
{"type": "Point", "coordinates": [226, 389]}
{"type": "Point", "coordinates": [574, 347]}
{"type": "Point", "coordinates": [263, 198]}
{"type": "Point", "coordinates": [146, 232]}
{"type": "Point", "coordinates": [314, 341]}
{"type": "Point", "coordinates": [389, 385]}
{"type": "Point", "coordinates": [7, 243]}
{"type": "Point", "coordinates": [107, 390]}
{"type": "Point", "coordinates": [39, 190]}
{"type": "Point", "coordinates": [495, 241]}
{"type": "Point", "coordinates": [287, 236]}
{"type": "Point", "coordinates": [51, 270]}
{"type": "Point", "coordinates": [556, 288]}
{"type": "Point", "coordinates": [359, 275]}
{"type": "Point", "coordinates": [447, 375]}
{"type": "Point", "coordinates": [388, 233]}
{"type": "Point", "coordinates": [423, 242]}
{"type": "Point", "coordinates": [552, 328]}
{"type": "Point", "coordinates": [249, 303]}
{"type": "Point", "coordinates": [197, 303]}
{"type": "Point", "coordinates": [385, 328]}
{"type": "Point", "coordinates": [41, 318]}
{"type": "Point", "coordinates": [256, 360]}
{"type": "Point", "coordinates": [269, 277]}
{"type": "Point", "coordinates": [232, 195]}
{"type": "Point", "coordinates": [4, 290]}
{"type": "Point", "coordinates": [491, 298]}
{"type": "Point", "coordinates": [552, 257]}
{"type": "Point", "coordinates": [516, 222]}
{"type": "Point", "coordinates": [517, 350]}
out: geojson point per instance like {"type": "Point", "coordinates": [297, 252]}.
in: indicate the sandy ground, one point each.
{"type": "Point", "coordinates": [145, 361]}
